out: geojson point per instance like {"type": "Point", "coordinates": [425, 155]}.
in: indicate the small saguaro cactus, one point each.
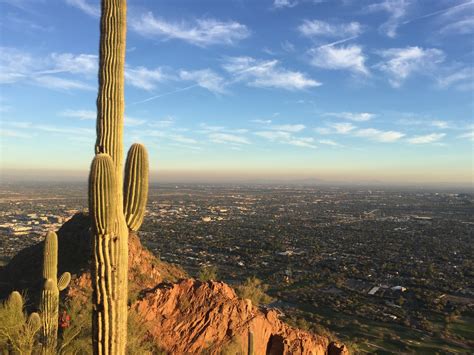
{"type": "Point", "coordinates": [49, 306]}
{"type": "Point", "coordinates": [17, 330]}
{"type": "Point", "coordinates": [135, 187]}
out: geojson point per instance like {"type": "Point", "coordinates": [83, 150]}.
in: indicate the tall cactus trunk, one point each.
{"type": "Point", "coordinates": [111, 338]}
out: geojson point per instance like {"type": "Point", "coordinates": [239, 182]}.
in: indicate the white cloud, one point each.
{"type": "Point", "coordinates": [461, 79]}
{"type": "Point", "coordinates": [396, 9]}
{"type": "Point", "coordinates": [144, 78]}
{"type": "Point", "coordinates": [428, 138]}
{"type": "Point", "coordinates": [469, 135]}
{"type": "Point", "coordinates": [316, 28]}
{"type": "Point", "coordinates": [329, 142]}
{"type": "Point", "coordinates": [343, 127]}
{"type": "Point", "coordinates": [54, 82]}
{"type": "Point", "coordinates": [202, 32]}
{"type": "Point", "coordinates": [14, 133]}
{"type": "Point", "coordinates": [262, 121]}
{"type": "Point", "coordinates": [285, 137]}
{"type": "Point", "coordinates": [280, 4]}
{"type": "Point", "coordinates": [440, 124]}
{"type": "Point", "coordinates": [163, 123]}
{"type": "Point", "coordinates": [289, 127]}
{"type": "Point", "coordinates": [339, 58]}
{"type": "Point", "coordinates": [182, 139]}
{"type": "Point", "coordinates": [220, 137]}
{"type": "Point", "coordinates": [284, 3]}
{"type": "Point", "coordinates": [205, 78]}
{"type": "Point", "coordinates": [81, 114]}
{"type": "Point", "coordinates": [83, 5]}
{"type": "Point", "coordinates": [261, 73]}
{"type": "Point", "coordinates": [464, 26]}
{"type": "Point", "coordinates": [400, 63]}
{"type": "Point", "coordinates": [353, 116]}
{"type": "Point", "coordinates": [131, 122]}
{"type": "Point", "coordinates": [74, 64]}
{"type": "Point", "coordinates": [302, 142]}
{"type": "Point", "coordinates": [378, 135]}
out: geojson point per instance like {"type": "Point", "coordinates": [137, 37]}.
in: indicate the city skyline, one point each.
{"type": "Point", "coordinates": [343, 90]}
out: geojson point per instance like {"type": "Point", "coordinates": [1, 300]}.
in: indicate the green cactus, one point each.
{"type": "Point", "coordinates": [17, 330]}
{"type": "Point", "coordinates": [49, 306]}
{"type": "Point", "coordinates": [107, 280]}
{"type": "Point", "coordinates": [136, 186]}
{"type": "Point", "coordinates": [106, 189]}
{"type": "Point", "coordinates": [15, 302]}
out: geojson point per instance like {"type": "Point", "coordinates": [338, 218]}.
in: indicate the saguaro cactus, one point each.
{"type": "Point", "coordinates": [110, 111]}
{"type": "Point", "coordinates": [49, 306]}
{"type": "Point", "coordinates": [106, 189]}
{"type": "Point", "coordinates": [135, 186]}
{"type": "Point", "coordinates": [17, 327]}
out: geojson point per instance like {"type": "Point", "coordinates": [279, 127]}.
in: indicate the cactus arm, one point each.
{"type": "Point", "coordinates": [136, 186]}
{"type": "Point", "coordinates": [34, 323]}
{"type": "Point", "coordinates": [64, 281]}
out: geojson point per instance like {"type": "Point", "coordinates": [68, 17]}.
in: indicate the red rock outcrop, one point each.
{"type": "Point", "coordinates": [192, 317]}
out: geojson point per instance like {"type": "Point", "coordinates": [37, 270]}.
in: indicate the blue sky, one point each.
{"type": "Point", "coordinates": [338, 90]}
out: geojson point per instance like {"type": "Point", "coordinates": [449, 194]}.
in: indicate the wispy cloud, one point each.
{"type": "Point", "coordinates": [4, 132]}
{"type": "Point", "coordinates": [469, 135]}
{"type": "Point", "coordinates": [262, 73]}
{"type": "Point", "coordinates": [200, 32]}
{"type": "Point", "coordinates": [219, 137]}
{"type": "Point", "coordinates": [329, 142]}
{"type": "Point", "coordinates": [54, 82]}
{"type": "Point", "coordinates": [284, 137]}
{"type": "Point", "coordinates": [396, 9]}
{"type": "Point", "coordinates": [458, 78]}
{"type": "Point", "coordinates": [132, 122]}
{"type": "Point", "coordinates": [400, 63]}
{"type": "Point", "coordinates": [425, 139]}
{"type": "Point", "coordinates": [281, 4]}
{"type": "Point", "coordinates": [289, 127]}
{"type": "Point", "coordinates": [379, 135]}
{"type": "Point", "coordinates": [144, 78]}
{"type": "Point", "coordinates": [80, 114]}
{"type": "Point", "coordinates": [315, 28]}
{"type": "Point", "coordinates": [339, 58]}
{"type": "Point", "coordinates": [353, 116]}
{"type": "Point", "coordinates": [343, 127]}
{"type": "Point", "coordinates": [83, 5]}
{"type": "Point", "coordinates": [205, 78]}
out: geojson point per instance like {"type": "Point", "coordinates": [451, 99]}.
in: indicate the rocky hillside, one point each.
{"type": "Point", "coordinates": [182, 315]}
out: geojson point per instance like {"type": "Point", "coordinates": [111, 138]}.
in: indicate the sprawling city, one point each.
{"type": "Point", "coordinates": [382, 269]}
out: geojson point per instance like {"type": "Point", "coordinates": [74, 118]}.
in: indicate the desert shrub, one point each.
{"type": "Point", "coordinates": [18, 332]}
{"type": "Point", "coordinates": [207, 272]}
{"type": "Point", "coordinates": [76, 332]}
{"type": "Point", "coordinates": [234, 347]}
{"type": "Point", "coordinates": [138, 338]}
{"type": "Point", "coordinates": [254, 290]}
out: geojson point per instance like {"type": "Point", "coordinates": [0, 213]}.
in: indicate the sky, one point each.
{"type": "Point", "coordinates": [335, 90]}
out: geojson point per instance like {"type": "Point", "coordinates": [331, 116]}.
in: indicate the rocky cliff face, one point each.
{"type": "Point", "coordinates": [182, 315]}
{"type": "Point", "coordinates": [207, 317]}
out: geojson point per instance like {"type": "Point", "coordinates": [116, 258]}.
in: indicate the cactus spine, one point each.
{"type": "Point", "coordinates": [136, 186]}
{"type": "Point", "coordinates": [49, 306]}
